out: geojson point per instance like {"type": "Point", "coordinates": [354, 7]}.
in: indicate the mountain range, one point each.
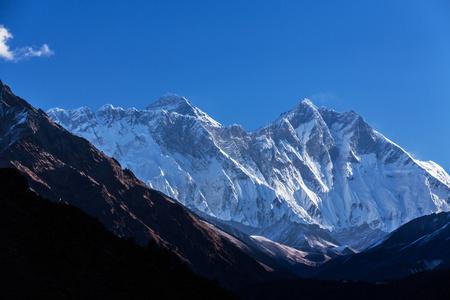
{"type": "Point", "coordinates": [261, 249]}
{"type": "Point", "coordinates": [62, 167]}
{"type": "Point", "coordinates": [310, 166]}
{"type": "Point", "coordinates": [54, 250]}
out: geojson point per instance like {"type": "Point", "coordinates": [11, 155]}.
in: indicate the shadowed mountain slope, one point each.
{"type": "Point", "coordinates": [51, 251]}
{"type": "Point", "coordinates": [419, 245]}
{"type": "Point", "coordinates": [65, 168]}
{"type": "Point", "coordinates": [427, 285]}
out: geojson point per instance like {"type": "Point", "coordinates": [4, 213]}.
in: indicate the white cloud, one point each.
{"type": "Point", "coordinates": [4, 49]}
{"type": "Point", "coordinates": [19, 53]}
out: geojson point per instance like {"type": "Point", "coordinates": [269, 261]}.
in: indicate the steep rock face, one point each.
{"type": "Point", "coordinates": [309, 166]}
{"type": "Point", "coordinates": [63, 167]}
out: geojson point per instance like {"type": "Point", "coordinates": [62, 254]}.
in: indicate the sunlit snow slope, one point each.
{"type": "Point", "coordinates": [311, 165]}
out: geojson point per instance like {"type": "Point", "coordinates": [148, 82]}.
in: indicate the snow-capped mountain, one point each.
{"type": "Point", "coordinates": [312, 166]}
{"type": "Point", "coordinates": [65, 168]}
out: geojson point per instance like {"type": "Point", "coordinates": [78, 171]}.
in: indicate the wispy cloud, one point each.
{"type": "Point", "coordinates": [324, 98]}
{"type": "Point", "coordinates": [19, 53]}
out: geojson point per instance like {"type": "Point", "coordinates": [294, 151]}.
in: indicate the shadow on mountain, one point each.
{"type": "Point", "coordinates": [427, 285]}
{"type": "Point", "coordinates": [51, 250]}
{"type": "Point", "coordinates": [62, 167]}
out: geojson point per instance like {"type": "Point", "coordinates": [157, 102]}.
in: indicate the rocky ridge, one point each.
{"type": "Point", "coordinates": [310, 166]}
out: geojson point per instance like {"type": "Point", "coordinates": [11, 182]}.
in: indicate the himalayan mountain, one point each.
{"type": "Point", "coordinates": [329, 177]}
{"type": "Point", "coordinates": [310, 170]}
{"type": "Point", "coordinates": [65, 168]}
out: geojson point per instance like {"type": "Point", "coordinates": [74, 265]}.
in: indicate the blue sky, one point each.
{"type": "Point", "coordinates": [242, 62]}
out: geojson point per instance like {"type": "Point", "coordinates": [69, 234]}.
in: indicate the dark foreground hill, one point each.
{"type": "Point", "coordinates": [50, 250]}
{"type": "Point", "coordinates": [434, 284]}
{"type": "Point", "coordinates": [419, 245]}
{"type": "Point", "coordinates": [62, 167]}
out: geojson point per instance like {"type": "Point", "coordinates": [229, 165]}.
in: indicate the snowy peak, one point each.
{"type": "Point", "coordinates": [303, 105]}
{"type": "Point", "coordinates": [178, 106]}
{"type": "Point", "coordinates": [65, 168]}
{"type": "Point", "coordinates": [307, 128]}
{"type": "Point", "coordinates": [107, 108]}
{"type": "Point", "coordinates": [78, 120]}
{"type": "Point", "coordinates": [306, 120]}
{"type": "Point", "coordinates": [344, 119]}
{"type": "Point", "coordinates": [110, 114]}
{"type": "Point", "coordinates": [82, 114]}
{"type": "Point", "coordinates": [169, 99]}
{"type": "Point", "coordinates": [301, 113]}
{"type": "Point", "coordinates": [309, 166]}
{"type": "Point", "coordinates": [172, 102]}
{"type": "Point", "coordinates": [349, 128]}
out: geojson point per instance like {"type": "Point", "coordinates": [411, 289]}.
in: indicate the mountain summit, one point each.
{"type": "Point", "coordinates": [170, 102]}
{"type": "Point", "coordinates": [66, 168]}
{"type": "Point", "coordinates": [310, 166]}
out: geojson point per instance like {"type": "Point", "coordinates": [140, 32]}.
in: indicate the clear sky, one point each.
{"type": "Point", "coordinates": [241, 62]}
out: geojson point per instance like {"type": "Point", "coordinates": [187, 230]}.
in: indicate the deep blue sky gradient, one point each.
{"type": "Point", "coordinates": [245, 62]}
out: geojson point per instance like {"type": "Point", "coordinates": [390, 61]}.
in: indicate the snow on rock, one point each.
{"type": "Point", "coordinates": [309, 166]}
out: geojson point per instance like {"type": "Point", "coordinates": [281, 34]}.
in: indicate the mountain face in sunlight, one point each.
{"type": "Point", "coordinates": [310, 166]}
{"type": "Point", "coordinates": [63, 167]}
